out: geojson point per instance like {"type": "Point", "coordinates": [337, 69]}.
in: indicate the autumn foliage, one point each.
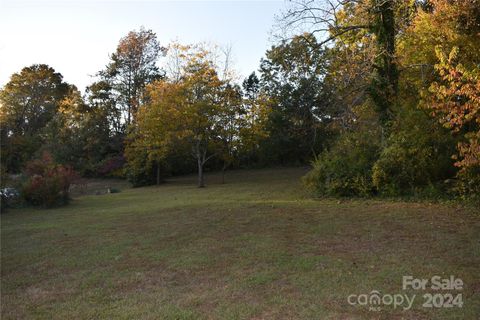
{"type": "Point", "coordinates": [456, 101]}
{"type": "Point", "coordinates": [381, 97]}
{"type": "Point", "coordinates": [47, 183]}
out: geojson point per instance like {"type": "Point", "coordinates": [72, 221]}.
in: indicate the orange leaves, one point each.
{"type": "Point", "coordinates": [456, 101]}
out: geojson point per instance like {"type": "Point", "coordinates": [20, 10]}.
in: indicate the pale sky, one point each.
{"type": "Point", "coordinates": [75, 37]}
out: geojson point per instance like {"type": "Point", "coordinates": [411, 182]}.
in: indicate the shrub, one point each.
{"type": "Point", "coordinates": [345, 170]}
{"type": "Point", "coordinates": [467, 185]}
{"type": "Point", "coordinates": [139, 170]}
{"type": "Point", "coordinates": [47, 183]}
{"type": "Point", "coordinates": [416, 159]}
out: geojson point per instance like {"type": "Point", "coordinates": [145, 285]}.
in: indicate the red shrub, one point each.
{"type": "Point", "coordinates": [47, 182]}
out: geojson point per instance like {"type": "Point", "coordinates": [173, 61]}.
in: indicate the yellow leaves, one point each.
{"type": "Point", "coordinates": [453, 55]}
{"type": "Point", "coordinates": [456, 101]}
{"type": "Point", "coordinates": [182, 109]}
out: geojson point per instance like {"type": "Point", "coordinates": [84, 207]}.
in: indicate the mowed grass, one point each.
{"type": "Point", "coordinates": [254, 248]}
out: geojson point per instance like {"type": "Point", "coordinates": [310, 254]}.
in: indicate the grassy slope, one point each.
{"type": "Point", "coordinates": [252, 248]}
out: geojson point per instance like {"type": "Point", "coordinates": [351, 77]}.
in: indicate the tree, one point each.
{"type": "Point", "coordinates": [28, 102]}
{"type": "Point", "coordinates": [100, 97]}
{"type": "Point", "coordinates": [132, 67]}
{"type": "Point", "coordinates": [251, 88]}
{"type": "Point", "coordinates": [185, 111]}
{"type": "Point", "coordinates": [384, 85]}
{"type": "Point", "coordinates": [200, 110]}
{"type": "Point", "coordinates": [443, 40]}
{"type": "Point", "coordinates": [442, 23]}
{"type": "Point", "coordinates": [456, 101]}
{"type": "Point", "coordinates": [292, 76]}
{"type": "Point", "coordinates": [256, 111]}
{"type": "Point", "coordinates": [106, 128]}
{"type": "Point", "coordinates": [151, 140]}
{"type": "Point", "coordinates": [80, 134]}
{"type": "Point", "coordinates": [192, 108]}
{"type": "Point", "coordinates": [413, 151]}
{"type": "Point", "coordinates": [63, 135]}
{"type": "Point", "coordinates": [337, 20]}
{"type": "Point", "coordinates": [231, 120]}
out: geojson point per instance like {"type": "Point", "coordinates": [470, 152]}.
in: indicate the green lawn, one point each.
{"type": "Point", "coordinates": [253, 248]}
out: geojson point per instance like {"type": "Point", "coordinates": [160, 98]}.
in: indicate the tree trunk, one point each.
{"type": "Point", "coordinates": [223, 171]}
{"type": "Point", "coordinates": [158, 173]}
{"type": "Point", "coordinates": [201, 182]}
{"type": "Point", "coordinates": [385, 88]}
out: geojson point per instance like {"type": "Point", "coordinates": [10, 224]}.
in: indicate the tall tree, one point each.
{"type": "Point", "coordinates": [107, 129]}
{"type": "Point", "coordinates": [338, 20]}
{"type": "Point", "coordinates": [201, 87]}
{"type": "Point", "coordinates": [231, 120]}
{"type": "Point", "coordinates": [256, 111]}
{"type": "Point", "coordinates": [441, 54]}
{"type": "Point", "coordinates": [100, 96]}
{"type": "Point", "coordinates": [384, 86]}
{"type": "Point", "coordinates": [132, 67]}
{"type": "Point", "coordinates": [154, 135]}
{"type": "Point", "coordinates": [64, 135]}
{"type": "Point", "coordinates": [185, 111]}
{"type": "Point", "coordinates": [193, 109]}
{"type": "Point", "coordinates": [28, 102]}
{"type": "Point", "coordinates": [292, 76]}
{"type": "Point", "coordinates": [251, 87]}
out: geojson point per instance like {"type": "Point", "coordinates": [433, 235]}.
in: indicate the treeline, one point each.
{"type": "Point", "coordinates": [388, 103]}
{"type": "Point", "coordinates": [144, 122]}
{"type": "Point", "coordinates": [407, 73]}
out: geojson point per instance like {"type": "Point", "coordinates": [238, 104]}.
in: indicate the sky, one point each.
{"type": "Point", "coordinates": [75, 37]}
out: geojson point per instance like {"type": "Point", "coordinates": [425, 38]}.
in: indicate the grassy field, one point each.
{"type": "Point", "coordinates": [253, 248]}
